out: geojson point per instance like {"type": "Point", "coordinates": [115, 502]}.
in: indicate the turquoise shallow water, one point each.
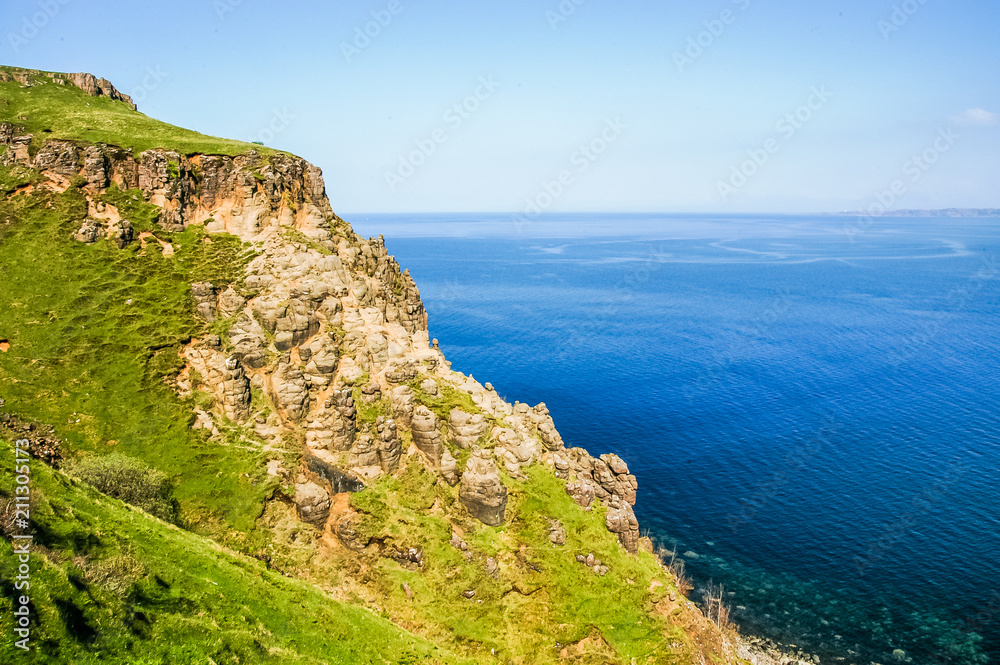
{"type": "Point", "coordinates": [810, 404]}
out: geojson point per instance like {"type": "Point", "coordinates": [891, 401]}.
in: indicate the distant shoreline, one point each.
{"type": "Point", "coordinates": [943, 212]}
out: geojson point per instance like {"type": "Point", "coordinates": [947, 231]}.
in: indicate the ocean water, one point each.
{"type": "Point", "coordinates": [810, 404]}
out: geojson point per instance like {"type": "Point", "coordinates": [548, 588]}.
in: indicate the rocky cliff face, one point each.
{"type": "Point", "coordinates": [327, 334]}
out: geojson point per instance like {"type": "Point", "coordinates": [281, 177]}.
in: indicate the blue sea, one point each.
{"type": "Point", "coordinates": [810, 403]}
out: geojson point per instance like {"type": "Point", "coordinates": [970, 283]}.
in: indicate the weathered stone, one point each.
{"type": "Point", "coordinates": [231, 302]}
{"type": "Point", "coordinates": [205, 300]}
{"type": "Point", "coordinates": [345, 420]}
{"type": "Point", "coordinates": [248, 339]}
{"type": "Point", "coordinates": [312, 503]}
{"type": "Point", "coordinates": [621, 521]}
{"type": "Point", "coordinates": [90, 231]}
{"type": "Point", "coordinates": [481, 491]}
{"type": "Point", "coordinates": [59, 157]}
{"type": "Point", "coordinates": [401, 399]}
{"type": "Point", "coordinates": [582, 491]}
{"type": "Point", "coordinates": [466, 429]}
{"type": "Point", "coordinates": [235, 391]}
{"type": "Point", "coordinates": [121, 233]}
{"type": "Point", "coordinates": [449, 466]}
{"type": "Point", "coordinates": [389, 447]}
{"type": "Point", "coordinates": [546, 428]}
{"type": "Point", "coordinates": [294, 324]}
{"type": "Point", "coordinates": [557, 533]}
{"type": "Point", "coordinates": [364, 453]}
{"type": "Point", "coordinates": [288, 388]}
{"type": "Point", "coordinates": [426, 436]}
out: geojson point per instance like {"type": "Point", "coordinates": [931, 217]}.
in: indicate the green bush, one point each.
{"type": "Point", "coordinates": [130, 480]}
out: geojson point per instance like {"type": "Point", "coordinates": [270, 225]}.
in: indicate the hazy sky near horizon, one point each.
{"type": "Point", "coordinates": [569, 105]}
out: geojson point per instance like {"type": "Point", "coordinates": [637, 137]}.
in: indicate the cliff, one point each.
{"type": "Point", "coordinates": [208, 313]}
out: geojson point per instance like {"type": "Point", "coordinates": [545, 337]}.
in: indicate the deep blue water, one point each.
{"type": "Point", "coordinates": [813, 413]}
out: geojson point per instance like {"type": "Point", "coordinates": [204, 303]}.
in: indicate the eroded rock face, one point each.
{"type": "Point", "coordinates": [546, 428]}
{"type": "Point", "coordinates": [466, 429]}
{"type": "Point", "coordinates": [481, 491]}
{"type": "Point", "coordinates": [205, 300]}
{"type": "Point", "coordinates": [248, 340]}
{"type": "Point", "coordinates": [235, 391]}
{"type": "Point", "coordinates": [121, 233]}
{"type": "Point", "coordinates": [288, 388]}
{"type": "Point", "coordinates": [364, 453]}
{"type": "Point", "coordinates": [345, 422]}
{"type": "Point", "coordinates": [389, 447]}
{"type": "Point", "coordinates": [583, 492]}
{"type": "Point", "coordinates": [426, 436]}
{"type": "Point", "coordinates": [621, 521]}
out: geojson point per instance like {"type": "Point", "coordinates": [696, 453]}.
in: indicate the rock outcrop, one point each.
{"type": "Point", "coordinates": [319, 313]}
{"type": "Point", "coordinates": [481, 491]}
{"type": "Point", "coordinates": [426, 436]}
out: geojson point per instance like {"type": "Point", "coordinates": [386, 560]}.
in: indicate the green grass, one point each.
{"type": "Point", "coordinates": [48, 111]}
{"type": "Point", "coordinates": [111, 584]}
{"type": "Point", "coordinates": [448, 398]}
{"type": "Point", "coordinates": [86, 361]}
{"type": "Point", "coordinates": [542, 599]}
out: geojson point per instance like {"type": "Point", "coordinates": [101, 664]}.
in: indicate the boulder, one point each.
{"type": "Point", "coordinates": [90, 231]}
{"type": "Point", "coordinates": [312, 503]}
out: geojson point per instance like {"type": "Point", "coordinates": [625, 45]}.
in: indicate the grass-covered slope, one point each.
{"type": "Point", "coordinates": [540, 603]}
{"type": "Point", "coordinates": [94, 335]}
{"type": "Point", "coordinates": [111, 584]}
{"type": "Point", "coordinates": [47, 110]}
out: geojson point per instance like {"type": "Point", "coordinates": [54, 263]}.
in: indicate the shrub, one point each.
{"type": "Point", "coordinates": [130, 480]}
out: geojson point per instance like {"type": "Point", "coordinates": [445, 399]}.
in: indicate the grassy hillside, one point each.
{"type": "Point", "coordinates": [94, 335]}
{"type": "Point", "coordinates": [111, 584]}
{"type": "Point", "coordinates": [48, 110]}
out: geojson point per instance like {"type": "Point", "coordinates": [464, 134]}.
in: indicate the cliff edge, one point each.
{"type": "Point", "coordinates": [295, 357]}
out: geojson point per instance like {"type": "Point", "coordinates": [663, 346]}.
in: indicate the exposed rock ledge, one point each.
{"type": "Point", "coordinates": [93, 86]}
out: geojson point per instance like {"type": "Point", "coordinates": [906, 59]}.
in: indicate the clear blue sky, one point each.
{"type": "Point", "coordinates": [225, 67]}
